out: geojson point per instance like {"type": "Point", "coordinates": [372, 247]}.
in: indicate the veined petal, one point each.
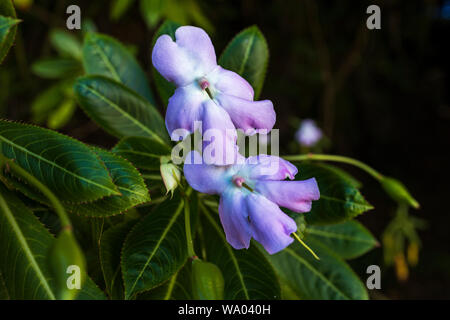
{"type": "Point", "coordinates": [265, 167]}
{"type": "Point", "coordinates": [203, 177]}
{"type": "Point", "coordinates": [248, 115]}
{"type": "Point", "coordinates": [185, 107]}
{"type": "Point", "coordinates": [230, 83]}
{"type": "Point", "coordinates": [294, 195]}
{"type": "Point", "coordinates": [270, 226]}
{"type": "Point", "coordinates": [234, 218]}
{"type": "Point", "coordinates": [219, 135]}
{"type": "Point", "coordinates": [190, 57]}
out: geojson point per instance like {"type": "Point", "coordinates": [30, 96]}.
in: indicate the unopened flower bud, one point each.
{"type": "Point", "coordinates": [171, 176]}
{"type": "Point", "coordinates": [207, 281]}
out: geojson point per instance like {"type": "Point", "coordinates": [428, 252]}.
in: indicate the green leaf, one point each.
{"type": "Point", "coordinates": [8, 27]}
{"type": "Point", "coordinates": [110, 248]}
{"type": "Point", "coordinates": [340, 200]}
{"type": "Point", "coordinates": [25, 244]}
{"type": "Point", "coordinates": [247, 273]}
{"type": "Point", "coordinates": [66, 43]}
{"type": "Point", "coordinates": [103, 55]}
{"type": "Point", "coordinates": [247, 55]}
{"type": "Point", "coordinates": [129, 182]}
{"type": "Point", "coordinates": [119, 8]}
{"type": "Point", "coordinates": [329, 278]}
{"type": "Point", "coordinates": [398, 192]}
{"type": "Point", "coordinates": [48, 100]}
{"type": "Point", "coordinates": [165, 88]}
{"type": "Point", "coordinates": [56, 68]}
{"type": "Point", "coordinates": [348, 240]}
{"type": "Point", "coordinates": [152, 10]}
{"type": "Point", "coordinates": [144, 153]}
{"type": "Point", "coordinates": [156, 247]}
{"type": "Point", "coordinates": [62, 115]}
{"type": "Point", "coordinates": [119, 110]}
{"type": "Point", "coordinates": [178, 287]}
{"type": "Point", "coordinates": [68, 167]}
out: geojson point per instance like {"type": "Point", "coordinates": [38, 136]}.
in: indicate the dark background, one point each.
{"type": "Point", "coordinates": [381, 96]}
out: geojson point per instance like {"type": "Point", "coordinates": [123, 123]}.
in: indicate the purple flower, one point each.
{"type": "Point", "coordinates": [219, 98]}
{"type": "Point", "coordinates": [250, 195]}
{"type": "Point", "coordinates": [309, 133]}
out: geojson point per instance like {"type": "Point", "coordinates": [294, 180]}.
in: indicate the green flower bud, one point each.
{"type": "Point", "coordinates": [397, 191]}
{"type": "Point", "coordinates": [67, 265]}
{"type": "Point", "coordinates": [207, 281]}
{"type": "Point", "coordinates": [171, 176]}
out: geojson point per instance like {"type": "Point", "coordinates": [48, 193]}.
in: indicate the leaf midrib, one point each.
{"type": "Point", "coordinates": [111, 191]}
{"type": "Point", "coordinates": [155, 249]}
{"type": "Point", "coordinates": [25, 247]}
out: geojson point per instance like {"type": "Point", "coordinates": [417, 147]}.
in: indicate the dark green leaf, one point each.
{"type": "Point", "coordinates": [103, 55]}
{"type": "Point", "coordinates": [8, 27]}
{"type": "Point", "coordinates": [164, 87]}
{"type": "Point", "coordinates": [66, 166]}
{"type": "Point", "coordinates": [339, 199]}
{"type": "Point", "coordinates": [119, 110]}
{"type": "Point", "coordinates": [66, 43]}
{"type": "Point", "coordinates": [56, 68]}
{"type": "Point", "coordinates": [144, 153]}
{"type": "Point", "coordinates": [110, 248]}
{"type": "Point", "coordinates": [23, 262]}
{"type": "Point", "coordinates": [247, 273]}
{"type": "Point", "coordinates": [329, 278]}
{"type": "Point", "coordinates": [348, 240]}
{"type": "Point", "coordinates": [129, 183]}
{"type": "Point", "coordinates": [156, 247]}
{"type": "Point", "coordinates": [247, 55]}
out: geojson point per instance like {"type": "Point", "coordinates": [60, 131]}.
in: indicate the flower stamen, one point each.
{"type": "Point", "coordinates": [240, 182]}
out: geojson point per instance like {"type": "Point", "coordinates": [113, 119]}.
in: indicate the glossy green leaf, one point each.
{"type": "Point", "coordinates": [119, 8]}
{"type": "Point", "coordinates": [247, 273]}
{"type": "Point", "coordinates": [349, 239]}
{"type": "Point", "coordinates": [164, 87]}
{"type": "Point", "coordinates": [178, 287]}
{"type": "Point", "coordinates": [66, 43]}
{"type": "Point", "coordinates": [329, 278]}
{"type": "Point", "coordinates": [156, 248]}
{"type": "Point", "coordinates": [56, 68]}
{"type": "Point", "coordinates": [119, 110]}
{"type": "Point", "coordinates": [66, 166]}
{"type": "Point", "coordinates": [340, 200]}
{"type": "Point", "coordinates": [110, 248]}
{"type": "Point", "coordinates": [8, 27]}
{"type": "Point", "coordinates": [103, 55]}
{"type": "Point", "coordinates": [247, 54]}
{"type": "Point", "coordinates": [23, 263]}
{"type": "Point", "coordinates": [144, 153]}
{"type": "Point", "coordinates": [129, 182]}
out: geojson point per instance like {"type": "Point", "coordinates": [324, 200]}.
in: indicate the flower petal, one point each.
{"type": "Point", "coordinates": [294, 195]}
{"type": "Point", "coordinates": [203, 177]}
{"type": "Point", "coordinates": [230, 83]}
{"type": "Point", "coordinates": [185, 107]}
{"type": "Point", "coordinates": [234, 218]}
{"type": "Point", "coordinates": [248, 115]}
{"type": "Point", "coordinates": [191, 57]}
{"type": "Point", "coordinates": [270, 226]}
{"type": "Point", "coordinates": [219, 136]}
{"type": "Point", "coordinates": [265, 167]}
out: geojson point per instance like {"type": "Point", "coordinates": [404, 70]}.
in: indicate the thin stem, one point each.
{"type": "Point", "coordinates": [187, 224]}
{"type": "Point", "coordinates": [59, 209]}
{"type": "Point", "coordinates": [305, 245]}
{"type": "Point", "coordinates": [334, 158]}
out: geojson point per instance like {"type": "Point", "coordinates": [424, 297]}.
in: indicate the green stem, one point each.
{"type": "Point", "coordinates": [187, 224]}
{"type": "Point", "coordinates": [334, 158]}
{"type": "Point", "coordinates": [59, 209]}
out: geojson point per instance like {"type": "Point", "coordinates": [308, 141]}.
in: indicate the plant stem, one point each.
{"type": "Point", "coordinates": [187, 224]}
{"type": "Point", "coordinates": [333, 158]}
{"type": "Point", "coordinates": [59, 209]}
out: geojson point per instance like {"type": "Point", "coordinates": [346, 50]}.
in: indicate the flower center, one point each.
{"type": "Point", "coordinates": [204, 84]}
{"type": "Point", "coordinates": [240, 182]}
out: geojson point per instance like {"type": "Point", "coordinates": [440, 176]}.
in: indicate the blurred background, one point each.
{"type": "Point", "coordinates": [381, 96]}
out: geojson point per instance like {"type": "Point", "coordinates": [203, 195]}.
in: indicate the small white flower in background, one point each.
{"type": "Point", "coordinates": [308, 134]}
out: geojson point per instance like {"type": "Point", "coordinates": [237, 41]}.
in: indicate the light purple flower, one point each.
{"type": "Point", "coordinates": [190, 63]}
{"type": "Point", "coordinates": [309, 133]}
{"type": "Point", "coordinates": [250, 196]}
